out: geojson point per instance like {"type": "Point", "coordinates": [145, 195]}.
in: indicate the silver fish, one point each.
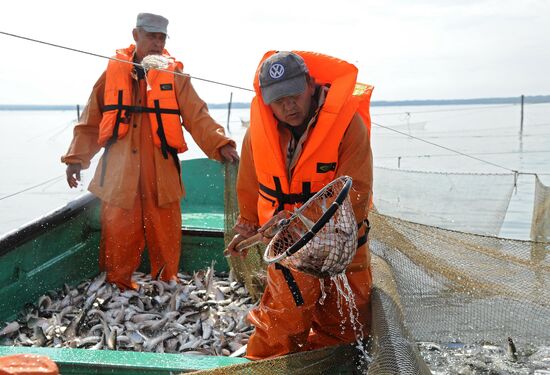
{"type": "Point", "coordinates": [201, 313]}
{"type": "Point", "coordinates": [96, 284]}
{"type": "Point", "coordinates": [239, 352]}
{"type": "Point", "coordinates": [44, 302]}
{"type": "Point", "coordinates": [112, 340]}
{"type": "Point", "coordinates": [40, 338]}
{"type": "Point", "coordinates": [87, 341]}
{"type": "Point", "coordinates": [206, 327]}
{"type": "Point", "coordinates": [10, 329]}
{"type": "Point", "coordinates": [511, 350]}
{"type": "Point", "coordinates": [153, 325]}
{"type": "Point", "coordinates": [151, 344]}
{"type": "Point", "coordinates": [138, 318]}
{"type": "Point", "coordinates": [74, 327]}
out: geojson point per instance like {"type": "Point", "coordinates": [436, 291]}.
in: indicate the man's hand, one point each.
{"type": "Point", "coordinates": [229, 153]}
{"type": "Point", "coordinates": [73, 174]}
{"type": "Point", "coordinates": [232, 247]}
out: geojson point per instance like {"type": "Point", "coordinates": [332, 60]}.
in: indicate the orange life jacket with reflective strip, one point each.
{"type": "Point", "coordinates": [318, 161]}
{"type": "Point", "coordinates": [162, 105]}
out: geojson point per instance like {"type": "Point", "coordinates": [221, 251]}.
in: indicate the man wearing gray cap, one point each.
{"type": "Point", "coordinates": [309, 124]}
{"type": "Point", "coordinates": [136, 113]}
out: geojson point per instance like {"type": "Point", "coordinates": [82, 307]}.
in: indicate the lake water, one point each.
{"type": "Point", "coordinates": [33, 141]}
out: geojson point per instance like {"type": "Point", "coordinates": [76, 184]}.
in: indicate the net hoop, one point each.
{"type": "Point", "coordinates": [319, 224]}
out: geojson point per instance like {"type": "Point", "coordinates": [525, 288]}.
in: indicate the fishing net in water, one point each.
{"type": "Point", "coordinates": [460, 286]}
{"type": "Point", "coordinates": [468, 202]}
{"type": "Point", "coordinates": [320, 237]}
{"type": "Point", "coordinates": [467, 292]}
{"type": "Point", "coordinates": [540, 223]}
{"type": "Point", "coordinates": [453, 290]}
{"type": "Point", "coordinates": [329, 361]}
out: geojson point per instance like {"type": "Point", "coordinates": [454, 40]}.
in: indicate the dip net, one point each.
{"type": "Point", "coordinates": [320, 237]}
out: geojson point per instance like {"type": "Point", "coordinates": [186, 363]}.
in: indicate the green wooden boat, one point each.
{"type": "Point", "coordinates": [62, 247]}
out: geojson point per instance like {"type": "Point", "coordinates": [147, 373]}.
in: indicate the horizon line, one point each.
{"type": "Point", "coordinates": [531, 99]}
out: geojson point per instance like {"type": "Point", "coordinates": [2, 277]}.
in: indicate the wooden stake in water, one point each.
{"type": "Point", "coordinates": [229, 111]}
{"type": "Point", "coordinates": [521, 121]}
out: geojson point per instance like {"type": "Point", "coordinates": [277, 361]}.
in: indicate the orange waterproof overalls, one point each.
{"type": "Point", "coordinates": [290, 317]}
{"type": "Point", "coordinates": [125, 232]}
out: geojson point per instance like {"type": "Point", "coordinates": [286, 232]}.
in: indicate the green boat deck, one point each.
{"type": "Point", "coordinates": [62, 247]}
{"type": "Point", "coordinates": [202, 207]}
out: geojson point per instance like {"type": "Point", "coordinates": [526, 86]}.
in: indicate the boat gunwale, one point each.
{"type": "Point", "coordinates": [28, 232]}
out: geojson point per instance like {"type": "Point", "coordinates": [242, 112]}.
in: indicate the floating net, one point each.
{"type": "Point", "coordinates": [445, 288]}
{"type": "Point", "coordinates": [456, 286]}
{"type": "Point", "coordinates": [540, 224]}
{"type": "Point", "coordinates": [464, 290]}
{"type": "Point", "coordinates": [468, 202]}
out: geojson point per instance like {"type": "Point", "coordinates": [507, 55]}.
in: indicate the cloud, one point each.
{"type": "Point", "coordinates": [408, 50]}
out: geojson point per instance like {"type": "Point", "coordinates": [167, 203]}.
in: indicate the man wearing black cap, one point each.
{"type": "Point", "coordinates": [309, 124]}
{"type": "Point", "coordinates": [137, 116]}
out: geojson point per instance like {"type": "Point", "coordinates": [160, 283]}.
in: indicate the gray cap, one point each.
{"type": "Point", "coordinates": [152, 23]}
{"type": "Point", "coordinates": [282, 74]}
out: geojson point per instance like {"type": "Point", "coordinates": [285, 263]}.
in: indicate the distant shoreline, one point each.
{"type": "Point", "coordinates": [381, 103]}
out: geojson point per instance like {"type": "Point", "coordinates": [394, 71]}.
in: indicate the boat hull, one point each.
{"type": "Point", "coordinates": [63, 248]}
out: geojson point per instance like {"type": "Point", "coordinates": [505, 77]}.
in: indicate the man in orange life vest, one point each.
{"type": "Point", "coordinates": [309, 124]}
{"type": "Point", "coordinates": [137, 117]}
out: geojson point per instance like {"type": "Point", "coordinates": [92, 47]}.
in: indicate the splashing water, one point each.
{"type": "Point", "coordinates": [346, 294]}
{"type": "Point", "coordinates": [323, 292]}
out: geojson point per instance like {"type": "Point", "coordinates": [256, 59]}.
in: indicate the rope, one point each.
{"type": "Point", "coordinates": [32, 187]}
{"type": "Point", "coordinates": [128, 62]}
{"type": "Point", "coordinates": [515, 172]}
{"type": "Point", "coordinates": [475, 153]}
{"type": "Point", "coordinates": [443, 110]}
{"type": "Point", "coordinates": [447, 148]}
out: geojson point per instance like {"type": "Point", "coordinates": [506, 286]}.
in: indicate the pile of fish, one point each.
{"type": "Point", "coordinates": [485, 358]}
{"type": "Point", "coordinates": [203, 313]}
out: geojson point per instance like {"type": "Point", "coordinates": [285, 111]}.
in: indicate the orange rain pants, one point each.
{"type": "Point", "coordinates": [283, 327]}
{"type": "Point", "coordinates": [124, 233]}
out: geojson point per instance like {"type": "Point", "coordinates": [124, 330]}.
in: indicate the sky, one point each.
{"type": "Point", "coordinates": [426, 49]}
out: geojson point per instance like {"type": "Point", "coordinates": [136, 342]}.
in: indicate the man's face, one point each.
{"type": "Point", "coordinates": [293, 110]}
{"type": "Point", "coordinates": [148, 43]}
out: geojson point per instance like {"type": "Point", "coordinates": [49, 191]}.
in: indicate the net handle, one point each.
{"type": "Point", "coordinates": [245, 244]}
{"type": "Point", "coordinates": [270, 232]}
{"type": "Point", "coordinates": [249, 242]}
{"type": "Point", "coordinates": [327, 215]}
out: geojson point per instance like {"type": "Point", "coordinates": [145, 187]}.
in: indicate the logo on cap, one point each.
{"type": "Point", "coordinates": [276, 71]}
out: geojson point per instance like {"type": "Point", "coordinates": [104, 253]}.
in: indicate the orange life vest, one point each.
{"type": "Point", "coordinates": [318, 161]}
{"type": "Point", "coordinates": [162, 105]}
